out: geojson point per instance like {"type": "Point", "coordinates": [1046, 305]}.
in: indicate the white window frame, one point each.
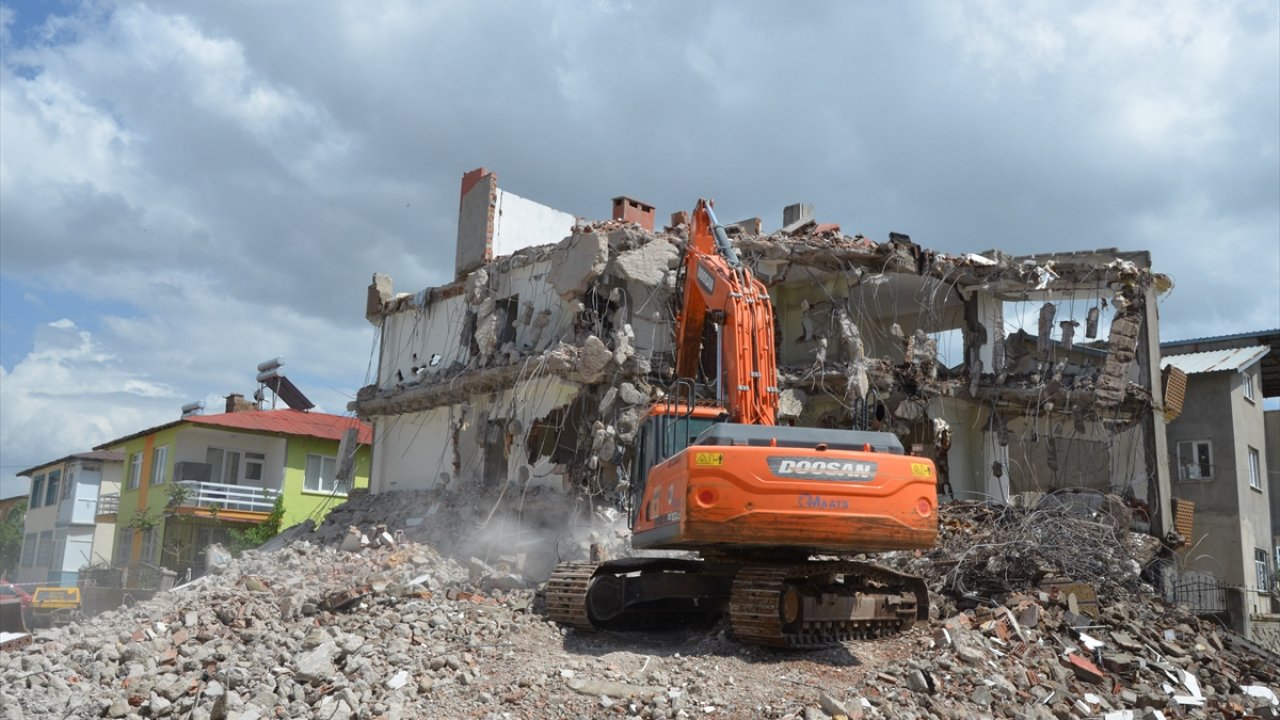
{"type": "Point", "coordinates": [37, 492]}
{"type": "Point", "coordinates": [148, 546]}
{"type": "Point", "coordinates": [258, 459]}
{"type": "Point", "coordinates": [59, 559]}
{"type": "Point", "coordinates": [1191, 471]}
{"type": "Point", "coordinates": [159, 464]}
{"type": "Point", "coordinates": [68, 484]}
{"type": "Point", "coordinates": [1255, 469]}
{"type": "Point", "coordinates": [314, 480]}
{"type": "Point", "coordinates": [52, 487]}
{"type": "Point", "coordinates": [44, 550]}
{"type": "Point", "coordinates": [135, 471]}
{"type": "Point", "coordinates": [221, 466]}
{"type": "Point", "coordinates": [1247, 386]}
{"type": "Point", "coordinates": [124, 546]}
{"type": "Point", "coordinates": [29, 542]}
{"type": "Point", "coordinates": [1261, 571]}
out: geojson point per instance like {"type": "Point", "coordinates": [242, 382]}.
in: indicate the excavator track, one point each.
{"type": "Point", "coordinates": [566, 594]}
{"type": "Point", "coordinates": [805, 606]}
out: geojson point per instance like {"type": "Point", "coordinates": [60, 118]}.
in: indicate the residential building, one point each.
{"type": "Point", "coordinates": [1217, 449]}
{"type": "Point", "coordinates": [536, 366]}
{"type": "Point", "coordinates": [188, 483]}
{"type": "Point", "coordinates": [61, 535]}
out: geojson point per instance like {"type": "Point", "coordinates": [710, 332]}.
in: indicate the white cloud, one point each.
{"type": "Point", "coordinates": [205, 191]}
{"type": "Point", "coordinates": [69, 394]}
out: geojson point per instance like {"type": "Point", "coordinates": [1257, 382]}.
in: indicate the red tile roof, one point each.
{"type": "Point", "coordinates": [288, 422]}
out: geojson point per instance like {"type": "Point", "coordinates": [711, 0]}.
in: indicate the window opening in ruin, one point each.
{"type": "Point", "coordinates": [553, 436]}
{"type": "Point", "coordinates": [1195, 460]}
{"type": "Point", "coordinates": [507, 311]}
{"type": "Point", "coordinates": [495, 454]}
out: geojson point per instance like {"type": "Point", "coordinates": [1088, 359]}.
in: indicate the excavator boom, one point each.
{"type": "Point", "coordinates": [754, 499]}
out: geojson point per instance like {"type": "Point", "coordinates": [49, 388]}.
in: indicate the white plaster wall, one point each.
{"type": "Point", "coordinates": [412, 337]}
{"type": "Point", "coordinates": [520, 223]}
{"type": "Point", "coordinates": [415, 451]}
{"type": "Point", "coordinates": [193, 442]}
{"type": "Point", "coordinates": [79, 549]}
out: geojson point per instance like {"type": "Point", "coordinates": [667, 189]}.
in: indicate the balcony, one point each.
{"type": "Point", "coordinates": [108, 508]}
{"type": "Point", "coordinates": [236, 503]}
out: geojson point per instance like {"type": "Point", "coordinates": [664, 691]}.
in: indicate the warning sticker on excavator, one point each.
{"type": "Point", "coordinates": [920, 470]}
{"type": "Point", "coordinates": [708, 458]}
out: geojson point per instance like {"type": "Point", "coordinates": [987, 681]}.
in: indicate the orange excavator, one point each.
{"type": "Point", "coordinates": [756, 501]}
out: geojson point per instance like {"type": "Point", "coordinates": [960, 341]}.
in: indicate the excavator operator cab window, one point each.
{"type": "Point", "coordinates": [661, 436]}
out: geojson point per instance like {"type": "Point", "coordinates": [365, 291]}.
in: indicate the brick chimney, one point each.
{"type": "Point", "coordinates": [624, 208]}
{"type": "Point", "coordinates": [236, 403]}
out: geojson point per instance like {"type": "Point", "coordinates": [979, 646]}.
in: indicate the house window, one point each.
{"type": "Point", "coordinates": [124, 544]}
{"type": "Point", "coordinates": [69, 486]}
{"type": "Point", "coordinates": [60, 549]}
{"type": "Point", "coordinates": [1246, 385]}
{"type": "Point", "coordinates": [1260, 567]}
{"type": "Point", "coordinates": [1255, 470]}
{"type": "Point", "coordinates": [29, 549]}
{"type": "Point", "coordinates": [159, 464]}
{"type": "Point", "coordinates": [321, 475]}
{"type": "Point", "coordinates": [51, 487]}
{"type": "Point", "coordinates": [1195, 460]}
{"type": "Point", "coordinates": [149, 546]}
{"type": "Point", "coordinates": [135, 471]}
{"type": "Point", "coordinates": [254, 464]}
{"type": "Point", "coordinates": [224, 465]}
{"type": "Point", "coordinates": [44, 550]}
{"type": "Point", "coordinates": [37, 491]}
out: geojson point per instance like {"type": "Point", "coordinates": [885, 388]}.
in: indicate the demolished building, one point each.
{"type": "Point", "coordinates": [529, 374]}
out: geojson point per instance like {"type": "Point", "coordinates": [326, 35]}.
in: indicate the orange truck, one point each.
{"type": "Point", "coordinates": [756, 501]}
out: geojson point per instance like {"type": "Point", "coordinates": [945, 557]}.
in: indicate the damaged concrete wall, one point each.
{"type": "Point", "coordinates": [1033, 397]}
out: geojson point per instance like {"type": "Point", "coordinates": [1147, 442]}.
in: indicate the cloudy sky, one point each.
{"type": "Point", "coordinates": [187, 189]}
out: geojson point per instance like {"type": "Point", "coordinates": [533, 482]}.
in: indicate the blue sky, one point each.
{"type": "Point", "coordinates": [187, 189]}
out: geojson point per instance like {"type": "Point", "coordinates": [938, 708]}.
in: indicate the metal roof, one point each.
{"type": "Point", "coordinates": [94, 455]}
{"type": "Point", "coordinates": [1216, 360]}
{"type": "Point", "coordinates": [288, 422]}
{"type": "Point", "coordinates": [284, 422]}
{"type": "Point", "coordinates": [1265, 338]}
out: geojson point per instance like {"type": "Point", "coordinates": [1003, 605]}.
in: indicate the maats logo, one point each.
{"type": "Point", "coordinates": [810, 469]}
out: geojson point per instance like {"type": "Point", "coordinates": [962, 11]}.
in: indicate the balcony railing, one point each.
{"type": "Point", "coordinates": [210, 495]}
{"type": "Point", "coordinates": [108, 504]}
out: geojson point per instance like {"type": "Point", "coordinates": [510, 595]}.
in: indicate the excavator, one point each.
{"type": "Point", "coordinates": [769, 510]}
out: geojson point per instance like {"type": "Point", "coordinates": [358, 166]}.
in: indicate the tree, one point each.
{"type": "Point", "coordinates": [11, 539]}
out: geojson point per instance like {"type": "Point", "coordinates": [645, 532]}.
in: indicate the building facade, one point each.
{"type": "Point", "coordinates": [189, 483]}
{"type": "Point", "coordinates": [1218, 452]}
{"type": "Point", "coordinates": [61, 534]}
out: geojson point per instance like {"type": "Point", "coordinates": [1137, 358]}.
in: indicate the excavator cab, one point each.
{"type": "Point", "coordinates": [662, 436]}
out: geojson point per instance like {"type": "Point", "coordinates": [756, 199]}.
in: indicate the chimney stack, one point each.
{"type": "Point", "coordinates": [236, 403]}
{"type": "Point", "coordinates": [629, 210]}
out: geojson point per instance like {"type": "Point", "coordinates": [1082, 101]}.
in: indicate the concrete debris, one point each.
{"type": "Point", "coordinates": [881, 335]}
{"type": "Point", "coordinates": [406, 631]}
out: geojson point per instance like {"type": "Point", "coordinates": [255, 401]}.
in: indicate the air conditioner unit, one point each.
{"type": "Point", "coordinates": [191, 472]}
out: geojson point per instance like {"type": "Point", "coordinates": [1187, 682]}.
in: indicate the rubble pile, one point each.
{"type": "Point", "coordinates": [985, 551]}
{"type": "Point", "coordinates": [527, 533]}
{"type": "Point", "coordinates": [390, 629]}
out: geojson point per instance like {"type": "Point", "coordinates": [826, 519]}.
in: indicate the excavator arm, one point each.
{"type": "Point", "coordinates": [719, 288]}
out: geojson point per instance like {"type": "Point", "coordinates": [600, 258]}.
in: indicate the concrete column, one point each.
{"type": "Point", "coordinates": [1159, 488]}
